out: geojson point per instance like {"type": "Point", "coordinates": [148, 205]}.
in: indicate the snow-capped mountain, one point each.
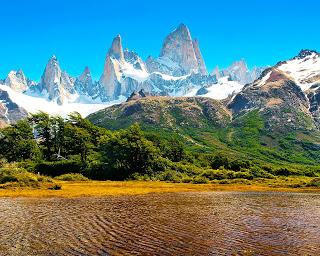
{"type": "Point", "coordinates": [10, 112]}
{"type": "Point", "coordinates": [56, 84]}
{"type": "Point", "coordinates": [18, 81]}
{"type": "Point", "coordinates": [304, 69]}
{"type": "Point", "coordinates": [239, 71]}
{"type": "Point", "coordinates": [179, 70]}
{"type": "Point", "coordinates": [180, 55]}
{"type": "Point", "coordinates": [288, 94]}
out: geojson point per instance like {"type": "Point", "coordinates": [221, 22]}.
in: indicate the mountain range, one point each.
{"type": "Point", "coordinates": [274, 119]}
{"type": "Point", "coordinates": [179, 70]}
{"type": "Point", "coordinates": [287, 96]}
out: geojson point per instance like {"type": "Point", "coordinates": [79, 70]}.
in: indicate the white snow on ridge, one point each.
{"type": "Point", "coordinates": [170, 78]}
{"type": "Point", "coordinates": [221, 90]}
{"type": "Point", "coordinates": [264, 79]}
{"type": "Point", "coordinates": [302, 69]}
{"type": "Point", "coordinates": [137, 74]}
{"type": "Point", "coordinates": [36, 104]}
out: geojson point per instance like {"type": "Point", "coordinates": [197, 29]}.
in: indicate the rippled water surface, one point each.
{"type": "Point", "coordinates": [218, 223]}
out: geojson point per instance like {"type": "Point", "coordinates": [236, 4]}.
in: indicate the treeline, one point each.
{"type": "Point", "coordinates": [51, 145]}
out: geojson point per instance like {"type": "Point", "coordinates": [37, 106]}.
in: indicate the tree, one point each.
{"type": "Point", "coordinates": [127, 152]}
{"type": "Point", "coordinates": [77, 141]}
{"type": "Point", "coordinates": [42, 129]}
{"type": "Point", "coordinates": [175, 150]}
{"type": "Point", "coordinates": [17, 143]}
{"type": "Point", "coordinates": [49, 132]}
{"type": "Point", "coordinates": [218, 161]}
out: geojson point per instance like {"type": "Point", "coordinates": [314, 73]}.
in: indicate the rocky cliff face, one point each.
{"type": "Point", "coordinates": [201, 65]}
{"type": "Point", "coordinates": [87, 89]}
{"type": "Point", "coordinates": [179, 48]}
{"type": "Point", "coordinates": [239, 72]}
{"type": "Point", "coordinates": [179, 68]}
{"type": "Point", "coordinates": [281, 96]}
{"type": "Point", "coordinates": [10, 112]}
{"type": "Point", "coordinates": [17, 81]}
{"type": "Point", "coordinates": [56, 83]}
{"type": "Point", "coordinates": [314, 98]}
{"type": "Point", "coordinates": [180, 55]}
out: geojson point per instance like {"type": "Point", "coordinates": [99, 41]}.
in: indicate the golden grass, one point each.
{"type": "Point", "coordinates": [118, 188]}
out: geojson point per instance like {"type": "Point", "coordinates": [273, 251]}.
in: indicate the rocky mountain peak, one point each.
{"type": "Point", "coordinates": [183, 30]}
{"type": "Point", "coordinates": [17, 81]}
{"type": "Point", "coordinates": [305, 52]}
{"type": "Point", "coordinates": [116, 50]}
{"type": "Point", "coordinates": [86, 75]}
{"type": "Point", "coordinates": [201, 65]}
{"type": "Point", "coordinates": [56, 82]}
{"type": "Point", "coordinates": [137, 95]}
{"type": "Point", "coordinates": [10, 112]}
{"type": "Point", "coordinates": [238, 71]}
{"type": "Point", "coordinates": [179, 49]}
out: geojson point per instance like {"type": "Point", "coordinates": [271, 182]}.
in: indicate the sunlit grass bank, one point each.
{"type": "Point", "coordinates": [118, 188]}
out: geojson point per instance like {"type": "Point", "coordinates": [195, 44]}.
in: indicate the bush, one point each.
{"type": "Point", "coordinates": [314, 183]}
{"type": "Point", "coordinates": [283, 171]}
{"type": "Point", "coordinates": [188, 169]}
{"type": "Point", "coordinates": [200, 180]}
{"type": "Point", "coordinates": [257, 172]}
{"type": "Point", "coordinates": [170, 175]}
{"type": "Point", "coordinates": [55, 187]}
{"type": "Point", "coordinates": [215, 174]}
{"type": "Point", "coordinates": [11, 174]}
{"type": "Point", "coordinates": [72, 177]}
{"type": "Point", "coordinates": [59, 167]}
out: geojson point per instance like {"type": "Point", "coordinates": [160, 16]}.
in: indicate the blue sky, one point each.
{"type": "Point", "coordinates": [80, 32]}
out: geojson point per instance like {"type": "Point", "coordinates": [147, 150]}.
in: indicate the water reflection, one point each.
{"type": "Point", "coordinates": [219, 223]}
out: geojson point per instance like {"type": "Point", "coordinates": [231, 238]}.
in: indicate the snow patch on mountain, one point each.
{"type": "Point", "coordinates": [304, 69]}
{"type": "Point", "coordinates": [264, 79]}
{"type": "Point", "coordinates": [224, 88]}
{"type": "Point", "coordinates": [219, 91]}
{"type": "Point", "coordinates": [35, 104]}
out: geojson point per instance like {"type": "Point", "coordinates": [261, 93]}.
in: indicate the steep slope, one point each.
{"type": "Point", "coordinates": [10, 112]}
{"type": "Point", "coordinates": [239, 72]}
{"type": "Point", "coordinates": [179, 48]}
{"type": "Point", "coordinates": [17, 81]}
{"type": "Point", "coordinates": [273, 119]}
{"type": "Point", "coordinates": [55, 84]}
{"type": "Point", "coordinates": [286, 94]}
{"type": "Point", "coordinates": [164, 112]}
{"type": "Point", "coordinates": [179, 69]}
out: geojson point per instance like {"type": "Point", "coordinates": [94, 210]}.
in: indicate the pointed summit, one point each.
{"type": "Point", "coordinates": [305, 52]}
{"type": "Point", "coordinates": [54, 58]}
{"type": "Point", "coordinates": [84, 84]}
{"type": "Point", "coordinates": [116, 50]}
{"type": "Point", "coordinates": [182, 29]}
{"type": "Point", "coordinates": [86, 75]}
{"type": "Point", "coordinates": [201, 65]}
{"type": "Point", "coordinates": [17, 81]}
{"type": "Point", "coordinates": [56, 82]}
{"type": "Point", "coordinates": [178, 47]}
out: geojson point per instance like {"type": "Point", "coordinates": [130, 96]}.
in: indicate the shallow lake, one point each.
{"type": "Point", "coordinates": [219, 223]}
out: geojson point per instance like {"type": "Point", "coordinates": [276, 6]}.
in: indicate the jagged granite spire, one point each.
{"type": "Point", "coordinates": [84, 82]}
{"type": "Point", "coordinates": [110, 77]}
{"type": "Point", "coordinates": [179, 48]}
{"type": "Point", "coordinates": [17, 81]}
{"type": "Point", "coordinates": [116, 50]}
{"type": "Point", "coordinates": [56, 82]}
{"type": "Point", "coordinates": [201, 65]}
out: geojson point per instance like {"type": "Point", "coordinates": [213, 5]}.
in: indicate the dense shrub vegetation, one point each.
{"type": "Point", "coordinates": [73, 149]}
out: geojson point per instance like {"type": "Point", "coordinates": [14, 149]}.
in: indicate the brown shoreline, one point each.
{"type": "Point", "coordinates": [123, 188]}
